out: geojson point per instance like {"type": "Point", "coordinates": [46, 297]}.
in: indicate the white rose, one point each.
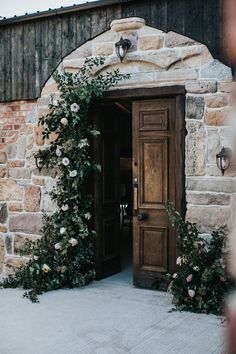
{"type": "Point", "coordinates": [83, 143]}
{"type": "Point", "coordinates": [58, 152]}
{"type": "Point", "coordinates": [65, 207]}
{"type": "Point", "coordinates": [189, 278]}
{"type": "Point", "coordinates": [45, 268]}
{"type": "Point", "coordinates": [64, 121]}
{"type": "Point", "coordinates": [62, 230]}
{"type": "Point", "coordinates": [57, 246]}
{"type": "Point", "coordinates": [65, 161]}
{"type": "Point", "coordinates": [95, 132]}
{"type": "Point", "coordinates": [87, 216]}
{"type": "Point", "coordinates": [73, 242]}
{"type": "Point", "coordinates": [73, 173]}
{"type": "Point", "coordinates": [196, 268]}
{"type": "Point", "coordinates": [74, 107]}
{"type": "Point", "coordinates": [179, 261]}
{"type": "Point", "coordinates": [175, 275]}
{"type": "Point", "coordinates": [191, 293]}
{"type": "Point", "coordinates": [36, 258]}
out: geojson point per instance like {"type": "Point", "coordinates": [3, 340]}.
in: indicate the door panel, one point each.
{"type": "Point", "coordinates": [155, 162]}
{"type": "Point", "coordinates": [107, 199]}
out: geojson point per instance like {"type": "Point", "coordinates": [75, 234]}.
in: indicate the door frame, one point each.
{"type": "Point", "coordinates": [178, 92]}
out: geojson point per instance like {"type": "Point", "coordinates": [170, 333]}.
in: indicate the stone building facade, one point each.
{"type": "Point", "coordinates": [156, 59]}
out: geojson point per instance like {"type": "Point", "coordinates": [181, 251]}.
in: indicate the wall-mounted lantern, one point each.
{"type": "Point", "coordinates": [41, 159]}
{"type": "Point", "coordinates": [223, 159]}
{"type": "Point", "coordinates": [122, 48]}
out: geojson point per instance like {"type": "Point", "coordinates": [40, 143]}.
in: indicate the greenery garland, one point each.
{"type": "Point", "coordinates": [201, 281]}
{"type": "Point", "coordinates": [64, 256]}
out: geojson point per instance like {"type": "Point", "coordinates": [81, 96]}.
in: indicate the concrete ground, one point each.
{"type": "Point", "coordinates": [107, 317]}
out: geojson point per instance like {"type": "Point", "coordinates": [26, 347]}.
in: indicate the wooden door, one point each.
{"type": "Point", "coordinates": [157, 177]}
{"type": "Point", "coordinates": [107, 194]}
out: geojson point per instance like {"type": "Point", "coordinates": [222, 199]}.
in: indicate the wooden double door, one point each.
{"type": "Point", "coordinates": [158, 176]}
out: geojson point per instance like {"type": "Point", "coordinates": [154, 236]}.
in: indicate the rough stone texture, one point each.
{"type": "Point", "coordinates": [3, 172]}
{"type": "Point", "coordinates": [32, 198]}
{"type": "Point", "coordinates": [9, 190]}
{"type": "Point", "coordinates": [201, 87]}
{"type": "Point", "coordinates": [226, 86]}
{"type": "Point", "coordinates": [3, 213]}
{"type": "Point", "coordinates": [213, 145]}
{"type": "Point", "coordinates": [3, 157]}
{"type": "Point", "coordinates": [19, 242]}
{"type": "Point", "coordinates": [216, 70]}
{"type": "Point", "coordinates": [28, 223]}
{"type": "Point", "coordinates": [127, 24]}
{"type": "Point", "coordinates": [215, 101]}
{"type": "Point", "coordinates": [208, 218]}
{"type": "Point", "coordinates": [16, 206]}
{"type": "Point", "coordinates": [103, 48]}
{"type": "Point", "coordinates": [8, 244]}
{"type": "Point", "coordinates": [2, 253]}
{"type": "Point", "coordinates": [173, 39]}
{"type": "Point", "coordinates": [19, 173]}
{"type": "Point", "coordinates": [217, 118]}
{"type": "Point", "coordinates": [195, 107]}
{"type": "Point", "coordinates": [12, 263]}
{"type": "Point", "coordinates": [219, 185]}
{"type": "Point", "coordinates": [151, 42]}
{"type": "Point", "coordinates": [195, 146]}
{"type": "Point", "coordinates": [208, 198]}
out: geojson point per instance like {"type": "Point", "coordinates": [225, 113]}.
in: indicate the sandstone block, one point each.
{"type": "Point", "coordinates": [216, 70]}
{"type": "Point", "coordinates": [226, 86]}
{"type": "Point", "coordinates": [3, 229]}
{"type": "Point", "coordinates": [127, 24]}
{"type": "Point", "coordinates": [15, 206]}
{"type": "Point", "coordinates": [151, 42]}
{"type": "Point", "coordinates": [208, 198]}
{"type": "Point", "coordinates": [12, 263]}
{"type": "Point", "coordinates": [3, 157]}
{"type": "Point", "coordinates": [26, 130]}
{"type": "Point", "coordinates": [28, 223]}
{"type": "Point", "coordinates": [209, 184]}
{"type": "Point", "coordinates": [103, 49]}
{"type": "Point", "coordinates": [10, 190]}
{"type": "Point", "coordinates": [195, 149]}
{"type": "Point", "coordinates": [83, 51]}
{"type": "Point", "coordinates": [19, 173]}
{"type": "Point", "coordinates": [19, 242]}
{"type": "Point", "coordinates": [213, 145]}
{"type": "Point", "coordinates": [21, 148]}
{"type": "Point", "coordinates": [30, 142]}
{"type": "Point", "coordinates": [38, 181]}
{"type": "Point", "coordinates": [11, 151]}
{"type": "Point", "coordinates": [2, 253]}
{"type": "Point", "coordinates": [215, 101]}
{"type": "Point", "coordinates": [201, 87]}
{"type": "Point", "coordinates": [217, 117]}
{"type": "Point", "coordinates": [16, 163]}
{"type": "Point", "coordinates": [3, 172]}
{"type": "Point", "coordinates": [208, 218]}
{"type": "Point", "coordinates": [195, 107]}
{"type": "Point", "coordinates": [32, 198]}
{"type": "Point", "coordinates": [3, 213]}
{"type": "Point", "coordinates": [173, 39]}
{"type": "Point", "coordinates": [38, 137]}
{"type": "Point", "coordinates": [8, 244]}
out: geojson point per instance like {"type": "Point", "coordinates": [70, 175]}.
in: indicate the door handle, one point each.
{"type": "Point", "coordinates": [135, 199]}
{"type": "Point", "coordinates": [142, 216]}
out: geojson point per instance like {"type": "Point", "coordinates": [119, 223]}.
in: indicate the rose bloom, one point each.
{"type": "Point", "coordinates": [73, 242]}
{"type": "Point", "coordinates": [46, 268]}
{"type": "Point", "coordinates": [179, 261]}
{"type": "Point", "coordinates": [64, 121]}
{"type": "Point", "coordinates": [65, 161]}
{"type": "Point", "coordinates": [58, 152]}
{"type": "Point", "coordinates": [191, 293]}
{"type": "Point", "coordinates": [175, 275]}
{"type": "Point", "coordinates": [83, 143]}
{"type": "Point", "coordinates": [73, 173]}
{"type": "Point", "coordinates": [36, 258]}
{"type": "Point", "coordinates": [65, 207]}
{"type": "Point", "coordinates": [87, 216]}
{"type": "Point", "coordinates": [62, 230]}
{"type": "Point", "coordinates": [189, 278]}
{"type": "Point", "coordinates": [74, 107]}
{"type": "Point", "coordinates": [57, 246]}
{"type": "Point", "coordinates": [196, 268]}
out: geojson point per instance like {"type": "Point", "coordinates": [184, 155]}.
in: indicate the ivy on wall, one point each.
{"type": "Point", "coordinates": [64, 256]}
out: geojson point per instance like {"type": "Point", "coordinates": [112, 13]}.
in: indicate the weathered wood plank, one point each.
{"type": "Point", "coordinates": [159, 14]}
{"type": "Point", "coordinates": [17, 60]}
{"type": "Point", "coordinates": [7, 54]}
{"type": "Point", "coordinates": [98, 22]}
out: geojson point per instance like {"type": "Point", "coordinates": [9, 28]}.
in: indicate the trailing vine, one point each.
{"type": "Point", "coordinates": [64, 256]}
{"type": "Point", "coordinates": [201, 280]}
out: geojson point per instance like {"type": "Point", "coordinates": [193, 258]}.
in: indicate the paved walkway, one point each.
{"type": "Point", "coordinates": [108, 317]}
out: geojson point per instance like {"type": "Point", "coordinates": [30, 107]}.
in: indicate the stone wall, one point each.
{"type": "Point", "coordinates": [156, 59]}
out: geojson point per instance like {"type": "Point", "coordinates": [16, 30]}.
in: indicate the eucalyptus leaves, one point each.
{"type": "Point", "coordinates": [64, 257]}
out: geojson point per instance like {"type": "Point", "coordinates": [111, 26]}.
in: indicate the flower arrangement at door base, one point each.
{"type": "Point", "coordinates": [64, 256]}
{"type": "Point", "coordinates": [201, 280]}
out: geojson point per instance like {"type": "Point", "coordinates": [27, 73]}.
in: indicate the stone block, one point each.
{"type": "Point", "coordinates": [15, 206]}
{"type": "Point", "coordinates": [38, 181]}
{"type": "Point", "coordinates": [3, 172]}
{"type": "Point", "coordinates": [12, 263]}
{"type": "Point", "coordinates": [216, 101]}
{"type": "Point", "coordinates": [3, 229]}
{"type": "Point", "coordinates": [83, 51]}
{"type": "Point", "coordinates": [195, 149]}
{"type": "Point", "coordinates": [32, 198]}
{"type": "Point", "coordinates": [10, 190]}
{"type": "Point", "coordinates": [217, 117]}
{"type": "Point", "coordinates": [201, 87]}
{"type": "Point", "coordinates": [19, 242]}
{"type": "Point", "coordinates": [151, 42]}
{"type": "Point", "coordinates": [213, 145]}
{"type": "Point", "coordinates": [103, 49]}
{"type": "Point", "coordinates": [8, 244]}
{"type": "Point", "coordinates": [209, 184]}
{"type": "Point", "coordinates": [21, 147]}
{"type": "Point", "coordinates": [16, 163]}
{"type": "Point", "coordinates": [11, 151]}
{"type": "Point", "coordinates": [27, 129]}
{"type": "Point", "coordinates": [28, 223]}
{"type": "Point", "coordinates": [30, 142]}
{"type": "Point", "coordinates": [208, 198]}
{"type": "Point", "coordinates": [3, 157]}
{"type": "Point", "coordinates": [127, 24]}
{"type": "Point", "coordinates": [173, 39]}
{"type": "Point", "coordinates": [38, 137]}
{"type": "Point", "coordinates": [216, 70]}
{"type": "Point", "coordinates": [2, 253]}
{"type": "Point", "coordinates": [3, 213]}
{"type": "Point", "coordinates": [195, 107]}
{"type": "Point", "coordinates": [227, 87]}
{"type": "Point", "coordinates": [208, 218]}
{"type": "Point", "coordinates": [19, 173]}
{"type": "Point", "coordinates": [47, 205]}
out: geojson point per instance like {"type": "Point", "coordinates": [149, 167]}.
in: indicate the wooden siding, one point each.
{"type": "Point", "coordinates": [31, 50]}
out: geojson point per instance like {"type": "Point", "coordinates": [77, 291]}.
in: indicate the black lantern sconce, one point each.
{"type": "Point", "coordinates": [122, 48]}
{"type": "Point", "coordinates": [223, 159]}
{"type": "Point", "coordinates": [41, 160]}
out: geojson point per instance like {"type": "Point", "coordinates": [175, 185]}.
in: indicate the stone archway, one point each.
{"type": "Point", "coordinates": [156, 59]}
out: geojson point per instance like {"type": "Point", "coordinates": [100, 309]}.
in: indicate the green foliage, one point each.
{"type": "Point", "coordinates": [64, 257]}
{"type": "Point", "coordinates": [201, 281]}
